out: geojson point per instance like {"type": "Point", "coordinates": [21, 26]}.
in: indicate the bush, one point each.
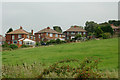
{"type": "Point", "coordinates": [106, 35]}
{"type": "Point", "coordinates": [37, 44]}
{"type": "Point", "coordinates": [88, 68]}
{"type": "Point", "coordinates": [24, 46]}
{"type": "Point", "coordinates": [42, 43]}
{"type": "Point", "coordinates": [13, 46]}
{"type": "Point", "coordinates": [52, 41]}
{"type": "Point", "coordinates": [5, 45]}
{"type": "Point", "coordinates": [58, 41]}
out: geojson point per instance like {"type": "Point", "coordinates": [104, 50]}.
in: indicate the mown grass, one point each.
{"type": "Point", "coordinates": [106, 50]}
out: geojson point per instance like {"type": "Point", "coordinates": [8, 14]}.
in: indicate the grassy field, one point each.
{"type": "Point", "coordinates": [106, 50]}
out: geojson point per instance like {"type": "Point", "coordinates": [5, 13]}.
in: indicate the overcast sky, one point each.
{"type": "Point", "coordinates": [38, 15]}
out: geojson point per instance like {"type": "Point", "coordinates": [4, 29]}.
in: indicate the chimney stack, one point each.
{"type": "Point", "coordinates": [48, 27]}
{"type": "Point", "coordinates": [75, 26]}
{"type": "Point", "coordinates": [20, 27]}
{"type": "Point", "coordinates": [32, 32]}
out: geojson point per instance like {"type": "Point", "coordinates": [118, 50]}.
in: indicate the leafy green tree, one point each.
{"type": "Point", "coordinates": [114, 22]}
{"type": "Point", "coordinates": [90, 26]}
{"type": "Point", "coordinates": [98, 32]}
{"type": "Point", "coordinates": [106, 28]}
{"type": "Point", "coordinates": [57, 28]}
{"type": "Point", "coordinates": [10, 30]}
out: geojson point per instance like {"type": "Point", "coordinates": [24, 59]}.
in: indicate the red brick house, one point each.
{"type": "Point", "coordinates": [73, 31]}
{"type": "Point", "coordinates": [48, 34]}
{"type": "Point", "coordinates": [17, 36]}
{"type": "Point", "coordinates": [115, 28]}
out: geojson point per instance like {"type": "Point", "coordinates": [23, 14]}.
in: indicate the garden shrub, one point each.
{"type": "Point", "coordinates": [5, 44]}
{"type": "Point", "coordinates": [37, 44]}
{"type": "Point", "coordinates": [88, 68]}
{"type": "Point", "coordinates": [13, 46]}
{"type": "Point", "coordinates": [24, 46]}
{"type": "Point", "coordinates": [106, 35]}
{"type": "Point", "coordinates": [58, 41]}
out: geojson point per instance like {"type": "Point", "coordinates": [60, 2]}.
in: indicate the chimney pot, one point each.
{"type": "Point", "coordinates": [32, 32]}
{"type": "Point", "coordinates": [48, 27]}
{"type": "Point", "coordinates": [20, 27]}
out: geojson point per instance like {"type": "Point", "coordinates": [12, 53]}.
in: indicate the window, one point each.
{"type": "Point", "coordinates": [31, 37]}
{"type": "Point", "coordinates": [9, 42]}
{"type": "Point", "coordinates": [59, 35]}
{"type": "Point", "coordinates": [51, 35]}
{"type": "Point", "coordinates": [67, 33]}
{"type": "Point", "coordinates": [67, 37]}
{"type": "Point", "coordinates": [15, 42]}
{"type": "Point", "coordinates": [39, 35]}
{"type": "Point", "coordinates": [20, 42]}
{"type": "Point", "coordinates": [13, 37]}
{"type": "Point", "coordinates": [72, 33]}
{"type": "Point", "coordinates": [34, 38]}
{"type": "Point", "coordinates": [56, 35]}
{"type": "Point", "coordinates": [83, 32]}
{"type": "Point", "coordinates": [19, 36]}
{"type": "Point", "coordinates": [79, 32]}
{"type": "Point", "coordinates": [47, 34]}
{"type": "Point", "coordinates": [27, 36]}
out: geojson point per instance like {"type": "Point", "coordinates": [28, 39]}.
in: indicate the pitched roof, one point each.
{"type": "Point", "coordinates": [114, 27]}
{"type": "Point", "coordinates": [48, 30]}
{"type": "Point", "coordinates": [18, 31]}
{"type": "Point", "coordinates": [75, 29]}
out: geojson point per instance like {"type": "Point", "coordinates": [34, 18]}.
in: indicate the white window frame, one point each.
{"type": "Point", "coordinates": [28, 36]}
{"type": "Point", "coordinates": [20, 42]}
{"type": "Point", "coordinates": [83, 32]}
{"type": "Point", "coordinates": [13, 37]}
{"type": "Point", "coordinates": [31, 37]}
{"type": "Point", "coordinates": [60, 35]}
{"type": "Point", "coordinates": [19, 36]}
{"type": "Point", "coordinates": [51, 35]}
{"type": "Point", "coordinates": [39, 35]}
{"type": "Point", "coordinates": [47, 34]}
{"type": "Point", "coordinates": [56, 35]}
{"type": "Point", "coordinates": [67, 33]}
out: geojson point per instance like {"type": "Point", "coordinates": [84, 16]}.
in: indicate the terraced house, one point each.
{"type": "Point", "coordinates": [47, 34]}
{"type": "Point", "coordinates": [73, 31]}
{"type": "Point", "coordinates": [18, 36]}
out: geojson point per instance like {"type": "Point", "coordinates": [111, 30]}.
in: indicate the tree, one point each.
{"type": "Point", "coordinates": [90, 26]}
{"type": "Point", "coordinates": [114, 22]}
{"type": "Point", "coordinates": [106, 28]}
{"type": "Point", "coordinates": [98, 32]}
{"type": "Point", "coordinates": [57, 28]}
{"type": "Point", "coordinates": [10, 30]}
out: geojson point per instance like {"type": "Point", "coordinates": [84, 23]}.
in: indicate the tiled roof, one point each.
{"type": "Point", "coordinates": [75, 29]}
{"type": "Point", "coordinates": [18, 31]}
{"type": "Point", "coordinates": [114, 27]}
{"type": "Point", "coordinates": [48, 30]}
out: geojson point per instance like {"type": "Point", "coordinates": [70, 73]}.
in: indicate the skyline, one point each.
{"type": "Point", "coordinates": [41, 15]}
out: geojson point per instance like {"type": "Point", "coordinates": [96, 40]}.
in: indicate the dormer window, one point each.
{"type": "Point", "coordinates": [19, 36]}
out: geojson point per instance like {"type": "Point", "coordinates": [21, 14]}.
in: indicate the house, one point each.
{"type": "Point", "coordinates": [18, 36]}
{"type": "Point", "coordinates": [2, 40]}
{"type": "Point", "coordinates": [73, 31]}
{"type": "Point", "coordinates": [115, 28]}
{"type": "Point", "coordinates": [48, 34]}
